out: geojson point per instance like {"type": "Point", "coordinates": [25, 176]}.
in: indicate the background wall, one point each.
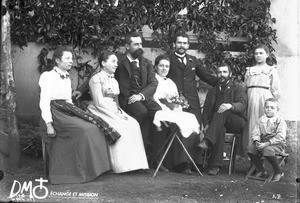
{"type": "Point", "coordinates": [287, 55]}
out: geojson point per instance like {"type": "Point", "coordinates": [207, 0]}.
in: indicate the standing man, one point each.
{"type": "Point", "coordinates": [183, 71]}
{"type": "Point", "coordinates": [224, 111]}
{"type": "Point", "coordinates": [137, 82]}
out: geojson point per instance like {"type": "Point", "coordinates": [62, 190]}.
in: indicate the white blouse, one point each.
{"type": "Point", "coordinates": [186, 122]}
{"type": "Point", "coordinates": [104, 89]}
{"type": "Point", "coordinates": [53, 87]}
{"type": "Point", "coordinates": [165, 88]}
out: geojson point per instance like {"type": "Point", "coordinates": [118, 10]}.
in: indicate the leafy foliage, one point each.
{"type": "Point", "coordinates": [99, 25]}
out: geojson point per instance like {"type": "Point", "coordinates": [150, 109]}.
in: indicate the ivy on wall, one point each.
{"type": "Point", "coordinates": [98, 24]}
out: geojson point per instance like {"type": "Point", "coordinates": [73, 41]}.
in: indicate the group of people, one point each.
{"type": "Point", "coordinates": [118, 131]}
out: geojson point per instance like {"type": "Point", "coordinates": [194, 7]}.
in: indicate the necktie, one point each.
{"type": "Point", "coordinates": [223, 87]}
{"type": "Point", "coordinates": [135, 64]}
{"type": "Point", "coordinates": [182, 60]}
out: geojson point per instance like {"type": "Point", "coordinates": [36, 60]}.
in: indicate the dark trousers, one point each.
{"type": "Point", "coordinates": [143, 112]}
{"type": "Point", "coordinates": [220, 124]}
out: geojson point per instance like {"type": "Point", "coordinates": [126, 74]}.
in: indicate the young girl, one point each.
{"type": "Point", "coordinates": [262, 82]}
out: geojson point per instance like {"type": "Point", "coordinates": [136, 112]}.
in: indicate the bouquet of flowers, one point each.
{"type": "Point", "coordinates": [175, 101]}
{"type": "Point", "coordinates": [110, 92]}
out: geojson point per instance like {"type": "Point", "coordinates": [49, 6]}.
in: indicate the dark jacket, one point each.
{"type": "Point", "coordinates": [184, 77]}
{"type": "Point", "coordinates": [123, 75]}
{"type": "Point", "coordinates": [234, 94]}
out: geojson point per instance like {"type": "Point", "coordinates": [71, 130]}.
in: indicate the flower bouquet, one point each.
{"type": "Point", "coordinates": [175, 101]}
{"type": "Point", "coordinates": [110, 92]}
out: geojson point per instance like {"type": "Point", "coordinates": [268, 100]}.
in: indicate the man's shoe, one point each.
{"type": "Point", "coordinates": [204, 144]}
{"type": "Point", "coordinates": [213, 171]}
{"type": "Point", "coordinates": [277, 177]}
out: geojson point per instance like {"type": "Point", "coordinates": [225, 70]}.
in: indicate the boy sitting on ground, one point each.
{"type": "Point", "coordinates": [269, 139]}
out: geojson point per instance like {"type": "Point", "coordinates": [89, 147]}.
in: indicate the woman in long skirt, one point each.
{"type": "Point", "coordinates": [77, 148]}
{"type": "Point", "coordinates": [128, 153]}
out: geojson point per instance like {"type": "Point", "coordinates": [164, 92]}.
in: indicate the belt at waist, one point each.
{"type": "Point", "coordinates": [257, 86]}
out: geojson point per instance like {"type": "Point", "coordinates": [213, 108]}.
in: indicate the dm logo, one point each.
{"type": "Point", "coordinates": [25, 191]}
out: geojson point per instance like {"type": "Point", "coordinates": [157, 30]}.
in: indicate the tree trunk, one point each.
{"type": "Point", "coordinates": [8, 94]}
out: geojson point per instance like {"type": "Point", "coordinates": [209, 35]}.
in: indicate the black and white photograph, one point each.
{"type": "Point", "coordinates": [150, 101]}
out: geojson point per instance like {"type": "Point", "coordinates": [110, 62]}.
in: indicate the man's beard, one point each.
{"type": "Point", "coordinates": [223, 80]}
{"type": "Point", "coordinates": [182, 51]}
{"type": "Point", "coordinates": [137, 53]}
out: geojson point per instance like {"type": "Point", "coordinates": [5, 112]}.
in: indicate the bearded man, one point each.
{"type": "Point", "coordinates": [224, 111]}
{"type": "Point", "coordinates": [137, 83]}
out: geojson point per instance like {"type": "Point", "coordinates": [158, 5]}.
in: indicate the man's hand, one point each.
{"type": "Point", "coordinates": [205, 128]}
{"type": "Point", "coordinates": [224, 107]}
{"type": "Point", "coordinates": [261, 145]}
{"type": "Point", "coordinates": [135, 98]}
{"type": "Point", "coordinates": [257, 143]}
{"type": "Point", "coordinates": [76, 94]}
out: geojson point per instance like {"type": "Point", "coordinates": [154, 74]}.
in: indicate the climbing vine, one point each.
{"type": "Point", "coordinates": [99, 24]}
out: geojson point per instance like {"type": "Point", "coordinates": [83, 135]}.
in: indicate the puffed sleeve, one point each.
{"type": "Point", "coordinates": [45, 97]}
{"type": "Point", "coordinates": [275, 83]}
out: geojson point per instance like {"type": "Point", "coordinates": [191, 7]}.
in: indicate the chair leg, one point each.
{"type": "Point", "coordinates": [45, 159]}
{"type": "Point", "coordinates": [232, 157]}
{"type": "Point", "coordinates": [164, 155]}
{"type": "Point", "coordinates": [205, 158]}
{"type": "Point", "coordinates": [251, 170]}
{"type": "Point", "coordinates": [187, 153]}
{"type": "Point", "coordinates": [234, 154]}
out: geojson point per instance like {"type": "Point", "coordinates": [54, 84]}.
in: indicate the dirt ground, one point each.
{"type": "Point", "coordinates": [136, 187]}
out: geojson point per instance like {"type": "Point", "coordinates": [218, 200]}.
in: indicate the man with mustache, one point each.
{"type": "Point", "coordinates": [138, 84]}
{"type": "Point", "coordinates": [183, 71]}
{"type": "Point", "coordinates": [224, 111]}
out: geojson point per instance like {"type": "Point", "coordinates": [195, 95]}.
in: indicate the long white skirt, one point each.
{"type": "Point", "coordinates": [128, 153]}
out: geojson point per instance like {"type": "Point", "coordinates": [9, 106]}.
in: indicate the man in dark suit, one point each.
{"type": "Point", "coordinates": [137, 83]}
{"type": "Point", "coordinates": [224, 111]}
{"type": "Point", "coordinates": [183, 71]}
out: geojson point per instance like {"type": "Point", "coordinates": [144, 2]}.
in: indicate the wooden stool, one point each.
{"type": "Point", "coordinates": [231, 140]}
{"type": "Point", "coordinates": [170, 140]}
{"type": "Point", "coordinates": [281, 159]}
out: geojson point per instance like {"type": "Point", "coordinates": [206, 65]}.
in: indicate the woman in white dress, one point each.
{"type": "Point", "coordinates": [176, 159]}
{"type": "Point", "coordinates": [128, 153]}
{"type": "Point", "coordinates": [76, 146]}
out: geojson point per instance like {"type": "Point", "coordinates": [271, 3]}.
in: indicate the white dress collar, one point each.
{"type": "Point", "coordinates": [255, 70]}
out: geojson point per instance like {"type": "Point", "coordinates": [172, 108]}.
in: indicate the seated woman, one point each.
{"type": "Point", "coordinates": [172, 103]}
{"type": "Point", "coordinates": [128, 153]}
{"type": "Point", "coordinates": [77, 148]}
